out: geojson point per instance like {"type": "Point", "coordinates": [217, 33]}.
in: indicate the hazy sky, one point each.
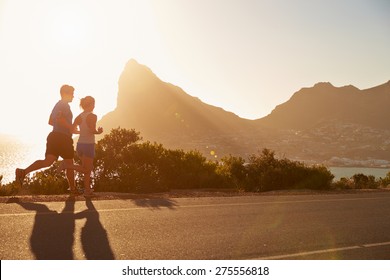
{"type": "Point", "coordinates": [246, 56]}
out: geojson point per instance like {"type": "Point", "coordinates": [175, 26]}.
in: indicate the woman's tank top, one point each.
{"type": "Point", "coordinates": [86, 135]}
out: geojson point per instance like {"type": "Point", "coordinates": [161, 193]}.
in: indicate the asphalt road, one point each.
{"type": "Point", "coordinates": [352, 226]}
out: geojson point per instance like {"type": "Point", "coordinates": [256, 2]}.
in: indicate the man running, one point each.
{"type": "Point", "coordinates": [59, 141]}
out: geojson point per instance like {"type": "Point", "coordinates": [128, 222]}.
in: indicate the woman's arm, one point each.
{"type": "Point", "coordinates": [91, 122]}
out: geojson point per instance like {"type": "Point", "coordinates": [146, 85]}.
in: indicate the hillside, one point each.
{"type": "Point", "coordinates": [309, 107]}
{"type": "Point", "coordinates": [165, 113]}
{"type": "Point", "coordinates": [320, 124]}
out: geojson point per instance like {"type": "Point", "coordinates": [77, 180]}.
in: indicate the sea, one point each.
{"type": "Point", "coordinates": [347, 172]}
{"type": "Point", "coordinates": [19, 154]}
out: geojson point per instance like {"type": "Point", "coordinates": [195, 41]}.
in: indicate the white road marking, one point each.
{"type": "Point", "coordinates": [301, 254]}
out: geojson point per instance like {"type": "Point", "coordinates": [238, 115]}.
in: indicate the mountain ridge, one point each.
{"type": "Point", "coordinates": [324, 101]}
{"type": "Point", "coordinates": [165, 113]}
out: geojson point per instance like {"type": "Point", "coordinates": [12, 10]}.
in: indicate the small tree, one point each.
{"type": "Point", "coordinates": [233, 172]}
{"type": "Point", "coordinates": [113, 160]}
{"type": "Point", "coordinates": [265, 172]}
{"type": "Point", "coordinates": [385, 182]}
{"type": "Point", "coordinates": [362, 181]}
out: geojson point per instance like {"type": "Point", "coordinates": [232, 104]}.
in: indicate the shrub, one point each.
{"type": "Point", "coordinates": [113, 161]}
{"type": "Point", "coordinates": [123, 164]}
{"type": "Point", "coordinates": [265, 173]}
{"type": "Point", "coordinates": [316, 177]}
{"type": "Point", "coordinates": [385, 182]}
{"type": "Point", "coordinates": [343, 183]}
{"type": "Point", "coordinates": [232, 172]}
{"type": "Point", "coordinates": [47, 182]}
{"type": "Point", "coordinates": [359, 181]}
{"type": "Point", "coordinates": [8, 189]}
{"type": "Point", "coordinates": [362, 181]}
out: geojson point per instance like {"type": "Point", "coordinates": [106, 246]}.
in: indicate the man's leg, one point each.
{"type": "Point", "coordinates": [20, 174]}
{"type": "Point", "coordinates": [70, 174]}
{"type": "Point", "coordinates": [39, 164]}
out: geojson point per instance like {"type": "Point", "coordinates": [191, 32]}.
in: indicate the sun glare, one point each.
{"type": "Point", "coordinates": [67, 28]}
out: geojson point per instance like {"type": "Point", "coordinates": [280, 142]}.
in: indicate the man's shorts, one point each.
{"type": "Point", "coordinates": [59, 145]}
{"type": "Point", "coordinates": [86, 150]}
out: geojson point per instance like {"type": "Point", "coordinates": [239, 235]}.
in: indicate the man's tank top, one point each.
{"type": "Point", "coordinates": [86, 135]}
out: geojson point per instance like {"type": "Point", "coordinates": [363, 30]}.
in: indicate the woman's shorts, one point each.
{"type": "Point", "coordinates": [59, 144]}
{"type": "Point", "coordinates": [86, 150]}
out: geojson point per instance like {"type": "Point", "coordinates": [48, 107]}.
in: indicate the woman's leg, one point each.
{"type": "Point", "coordinates": [70, 166]}
{"type": "Point", "coordinates": [88, 167]}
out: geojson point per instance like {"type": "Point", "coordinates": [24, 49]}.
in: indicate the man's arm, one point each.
{"type": "Point", "coordinates": [58, 118]}
{"type": "Point", "coordinates": [75, 125]}
{"type": "Point", "coordinates": [54, 117]}
{"type": "Point", "coordinates": [51, 121]}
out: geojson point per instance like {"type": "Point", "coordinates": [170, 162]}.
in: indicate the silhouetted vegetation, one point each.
{"type": "Point", "coordinates": [361, 181]}
{"type": "Point", "coordinates": [7, 189]}
{"type": "Point", "coordinates": [124, 163]}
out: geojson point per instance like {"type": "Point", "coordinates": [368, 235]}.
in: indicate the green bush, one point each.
{"type": "Point", "coordinates": [232, 171]}
{"type": "Point", "coordinates": [8, 189]}
{"type": "Point", "coordinates": [317, 178]}
{"type": "Point", "coordinates": [265, 173]}
{"type": "Point", "coordinates": [194, 170]}
{"type": "Point", "coordinates": [361, 181]}
{"type": "Point", "coordinates": [343, 183]}
{"type": "Point", "coordinates": [47, 182]}
{"type": "Point", "coordinates": [123, 164]}
{"type": "Point", "coordinates": [114, 163]}
{"type": "Point", "coordinates": [385, 182]}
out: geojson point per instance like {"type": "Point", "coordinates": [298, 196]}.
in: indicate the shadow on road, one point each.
{"type": "Point", "coordinates": [94, 237]}
{"type": "Point", "coordinates": [156, 203]}
{"type": "Point", "coordinates": [53, 233]}
{"type": "Point", "coordinates": [52, 236]}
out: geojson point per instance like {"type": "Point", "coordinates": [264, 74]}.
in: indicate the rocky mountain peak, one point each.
{"type": "Point", "coordinates": [326, 85]}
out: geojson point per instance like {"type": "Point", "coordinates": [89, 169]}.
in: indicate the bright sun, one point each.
{"type": "Point", "coordinates": [66, 28]}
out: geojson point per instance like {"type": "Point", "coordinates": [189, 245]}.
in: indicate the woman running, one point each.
{"type": "Point", "coordinates": [85, 125]}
